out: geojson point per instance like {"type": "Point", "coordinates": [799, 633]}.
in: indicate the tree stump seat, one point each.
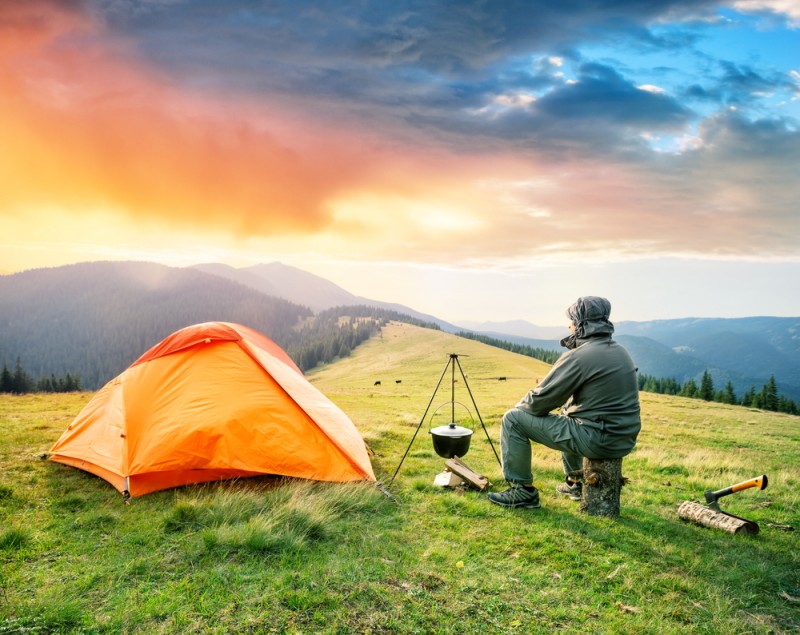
{"type": "Point", "coordinates": [602, 485]}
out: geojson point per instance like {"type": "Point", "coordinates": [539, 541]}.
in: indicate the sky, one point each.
{"type": "Point", "coordinates": [472, 159]}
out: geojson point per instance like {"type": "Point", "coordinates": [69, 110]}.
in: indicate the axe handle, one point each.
{"type": "Point", "coordinates": [760, 482]}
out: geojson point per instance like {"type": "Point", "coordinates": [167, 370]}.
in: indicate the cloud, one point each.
{"type": "Point", "coordinates": [602, 95]}
{"type": "Point", "coordinates": [757, 157]}
{"type": "Point", "coordinates": [744, 84]}
{"type": "Point", "coordinates": [417, 70]}
{"type": "Point", "coordinates": [790, 8]}
{"type": "Point", "coordinates": [385, 130]}
{"type": "Point", "coordinates": [85, 126]}
{"type": "Point", "coordinates": [597, 114]}
{"type": "Point", "coordinates": [287, 45]}
{"type": "Point", "coordinates": [733, 196]}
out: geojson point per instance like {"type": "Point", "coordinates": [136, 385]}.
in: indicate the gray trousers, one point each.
{"type": "Point", "coordinates": [519, 428]}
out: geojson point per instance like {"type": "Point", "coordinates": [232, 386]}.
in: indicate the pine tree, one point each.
{"type": "Point", "coordinates": [648, 384]}
{"type": "Point", "coordinates": [706, 387]}
{"type": "Point", "coordinates": [730, 396]}
{"type": "Point", "coordinates": [770, 394]}
{"type": "Point", "coordinates": [21, 382]}
{"type": "Point", "coordinates": [689, 389]}
{"type": "Point", "coordinates": [70, 383]}
{"type": "Point", "coordinates": [6, 380]}
{"type": "Point", "coordinates": [670, 386]}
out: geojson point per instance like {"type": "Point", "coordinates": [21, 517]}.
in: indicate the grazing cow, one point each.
{"type": "Point", "coordinates": [501, 379]}
{"type": "Point", "coordinates": [377, 383]}
{"type": "Point", "coordinates": [398, 381]}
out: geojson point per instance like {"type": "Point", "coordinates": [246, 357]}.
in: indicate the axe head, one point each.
{"type": "Point", "coordinates": [712, 500]}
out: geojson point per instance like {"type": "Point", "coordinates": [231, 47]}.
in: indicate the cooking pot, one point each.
{"type": "Point", "coordinates": [451, 440]}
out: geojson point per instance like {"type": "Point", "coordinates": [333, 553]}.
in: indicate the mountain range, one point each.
{"type": "Point", "coordinates": [77, 315]}
{"type": "Point", "coordinates": [306, 289]}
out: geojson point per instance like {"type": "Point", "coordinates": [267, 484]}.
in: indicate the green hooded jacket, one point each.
{"type": "Point", "coordinates": [595, 381]}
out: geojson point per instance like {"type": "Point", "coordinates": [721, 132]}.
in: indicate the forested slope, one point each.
{"type": "Point", "coordinates": [94, 319]}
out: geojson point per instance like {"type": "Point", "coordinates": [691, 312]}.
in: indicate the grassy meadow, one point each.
{"type": "Point", "coordinates": [268, 555]}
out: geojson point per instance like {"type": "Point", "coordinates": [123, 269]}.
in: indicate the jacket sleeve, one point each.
{"type": "Point", "coordinates": [556, 388]}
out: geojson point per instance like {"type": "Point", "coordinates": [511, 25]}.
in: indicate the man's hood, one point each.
{"type": "Point", "coordinates": [590, 316]}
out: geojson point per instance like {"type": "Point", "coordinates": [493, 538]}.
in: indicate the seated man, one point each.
{"type": "Point", "coordinates": [600, 419]}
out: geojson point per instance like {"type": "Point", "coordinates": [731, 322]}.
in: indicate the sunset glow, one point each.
{"type": "Point", "coordinates": [157, 131]}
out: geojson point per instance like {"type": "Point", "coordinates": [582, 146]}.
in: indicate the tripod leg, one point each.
{"type": "Point", "coordinates": [421, 421]}
{"type": "Point", "coordinates": [486, 432]}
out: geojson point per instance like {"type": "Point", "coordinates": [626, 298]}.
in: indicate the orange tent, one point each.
{"type": "Point", "coordinates": [212, 401]}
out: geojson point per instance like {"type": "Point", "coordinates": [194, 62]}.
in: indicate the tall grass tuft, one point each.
{"type": "Point", "coordinates": [287, 519]}
{"type": "Point", "coordinates": [14, 539]}
{"type": "Point", "coordinates": [259, 536]}
{"type": "Point", "coordinates": [233, 506]}
{"type": "Point", "coordinates": [184, 515]}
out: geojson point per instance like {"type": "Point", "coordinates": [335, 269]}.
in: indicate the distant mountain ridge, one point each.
{"type": "Point", "coordinates": [517, 328]}
{"type": "Point", "coordinates": [307, 289]}
{"type": "Point", "coordinates": [61, 312]}
{"type": "Point", "coordinates": [744, 351]}
{"type": "Point", "coordinates": [95, 319]}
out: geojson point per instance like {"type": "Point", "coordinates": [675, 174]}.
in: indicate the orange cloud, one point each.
{"type": "Point", "coordinates": [87, 127]}
{"type": "Point", "coordinates": [84, 127]}
{"type": "Point", "coordinates": [91, 134]}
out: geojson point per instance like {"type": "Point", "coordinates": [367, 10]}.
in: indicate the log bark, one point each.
{"type": "Point", "coordinates": [602, 485]}
{"type": "Point", "coordinates": [702, 515]}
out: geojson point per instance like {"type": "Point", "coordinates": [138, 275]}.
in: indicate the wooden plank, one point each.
{"type": "Point", "coordinates": [457, 466]}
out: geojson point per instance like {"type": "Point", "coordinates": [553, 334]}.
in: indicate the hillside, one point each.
{"type": "Point", "coordinates": [95, 319]}
{"type": "Point", "coordinates": [417, 359]}
{"type": "Point", "coordinates": [264, 556]}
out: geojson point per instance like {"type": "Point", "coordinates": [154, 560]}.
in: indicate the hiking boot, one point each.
{"type": "Point", "coordinates": [516, 496]}
{"type": "Point", "coordinates": [573, 491]}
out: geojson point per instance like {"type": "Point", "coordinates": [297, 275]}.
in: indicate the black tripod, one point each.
{"type": "Point", "coordinates": [451, 363]}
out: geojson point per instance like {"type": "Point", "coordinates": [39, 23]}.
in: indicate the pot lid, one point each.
{"type": "Point", "coordinates": [451, 430]}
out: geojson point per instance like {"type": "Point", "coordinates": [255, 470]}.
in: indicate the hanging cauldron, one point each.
{"type": "Point", "coordinates": [451, 440]}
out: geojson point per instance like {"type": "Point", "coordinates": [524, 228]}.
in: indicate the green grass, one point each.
{"type": "Point", "coordinates": [277, 556]}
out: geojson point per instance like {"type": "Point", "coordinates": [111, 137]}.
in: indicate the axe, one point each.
{"type": "Point", "coordinates": [712, 497]}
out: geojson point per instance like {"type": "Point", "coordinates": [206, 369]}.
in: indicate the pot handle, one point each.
{"type": "Point", "coordinates": [455, 403]}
